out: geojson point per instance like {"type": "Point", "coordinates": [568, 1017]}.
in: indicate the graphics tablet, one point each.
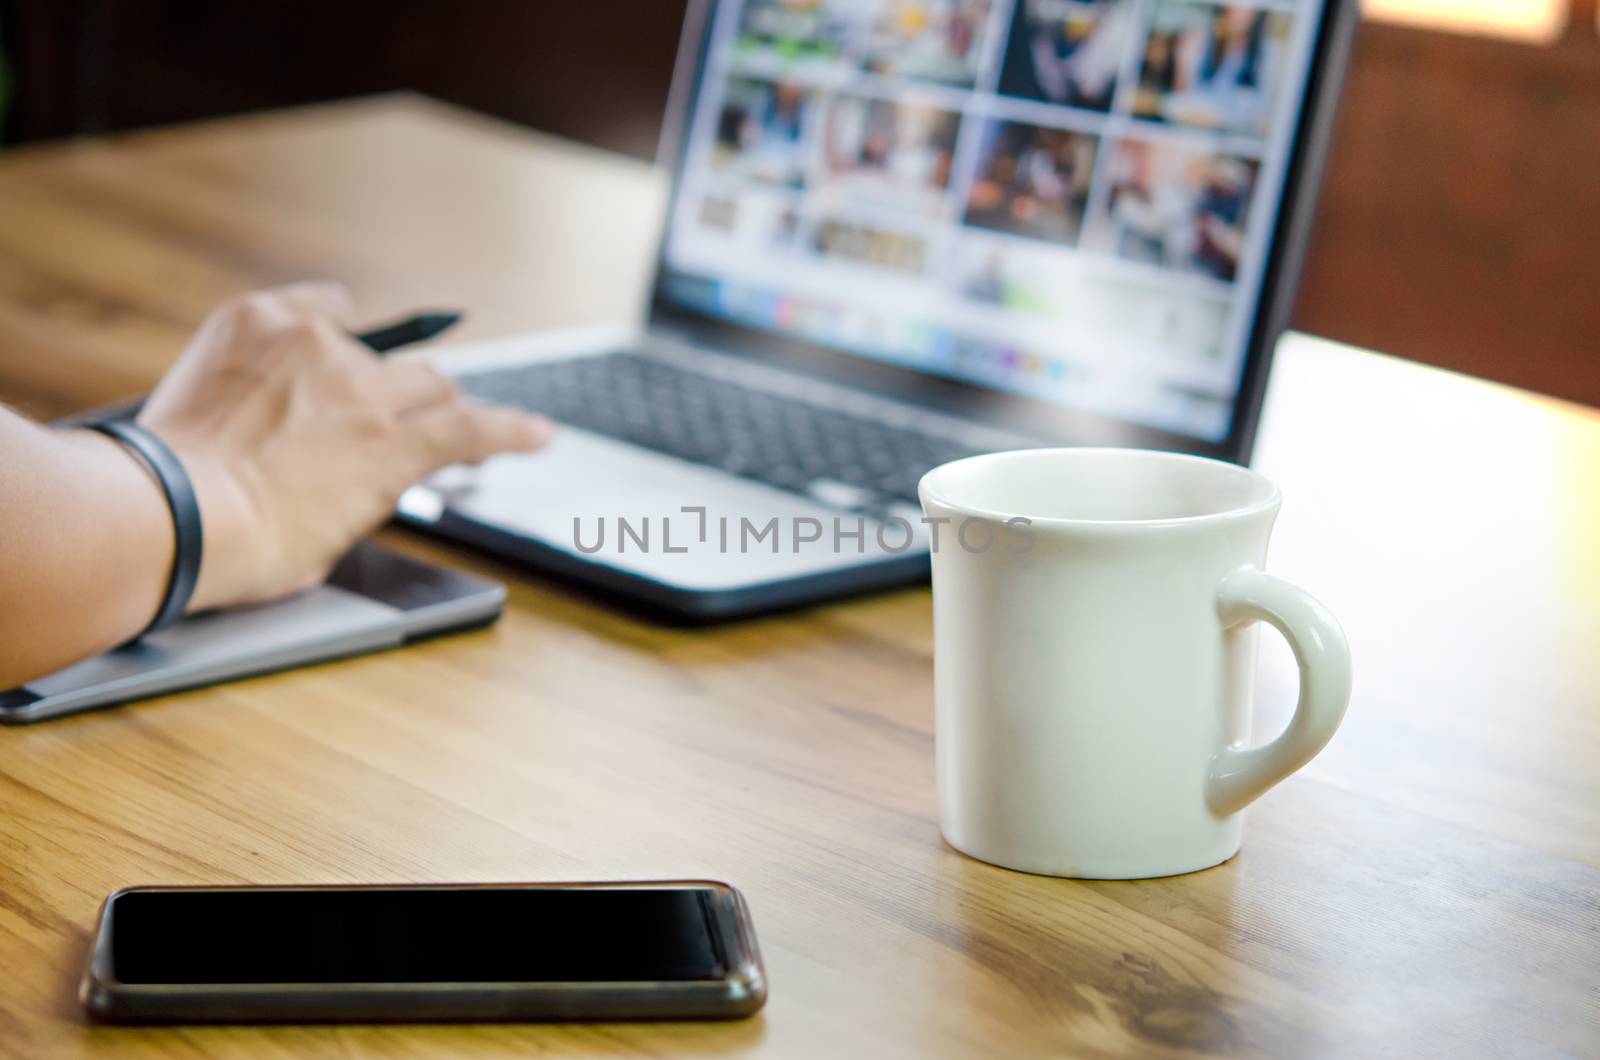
{"type": "Point", "coordinates": [374, 599]}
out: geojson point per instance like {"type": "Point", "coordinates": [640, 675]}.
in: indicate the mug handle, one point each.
{"type": "Point", "coordinates": [1241, 775]}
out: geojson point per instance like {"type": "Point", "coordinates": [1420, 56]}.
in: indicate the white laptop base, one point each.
{"type": "Point", "coordinates": [681, 536]}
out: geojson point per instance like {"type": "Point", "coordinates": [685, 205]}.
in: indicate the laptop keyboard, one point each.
{"type": "Point", "coordinates": [846, 460]}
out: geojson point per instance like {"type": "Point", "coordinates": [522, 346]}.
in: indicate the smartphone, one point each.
{"type": "Point", "coordinates": [671, 950]}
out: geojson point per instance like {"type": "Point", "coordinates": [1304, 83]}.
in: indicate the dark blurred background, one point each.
{"type": "Point", "coordinates": [1460, 222]}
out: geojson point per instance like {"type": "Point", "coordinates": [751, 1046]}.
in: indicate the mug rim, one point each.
{"type": "Point", "coordinates": [929, 490]}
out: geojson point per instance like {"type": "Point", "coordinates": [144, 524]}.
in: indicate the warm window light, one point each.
{"type": "Point", "coordinates": [1533, 21]}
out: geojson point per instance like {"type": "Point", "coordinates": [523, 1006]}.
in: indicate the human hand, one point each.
{"type": "Point", "coordinates": [300, 440]}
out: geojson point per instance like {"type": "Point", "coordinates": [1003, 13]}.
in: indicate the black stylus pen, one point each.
{"type": "Point", "coordinates": [419, 328]}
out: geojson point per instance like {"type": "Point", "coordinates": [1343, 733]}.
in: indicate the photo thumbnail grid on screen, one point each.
{"type": "Point", "coordinates": [1068, 199]}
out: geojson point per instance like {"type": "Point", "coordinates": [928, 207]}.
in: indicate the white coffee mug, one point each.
{"type": "Point", "coordinates": [1094, 653]}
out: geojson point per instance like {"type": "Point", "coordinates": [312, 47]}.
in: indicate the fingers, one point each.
{"type": "Point", "coordinates": [318, 340]}
{"type": "Point", "coordinates": [306, 323]}
{"type": "Point", "coordinates": [260, 314]}
{"type": "Point", "coordinates": [314, 298]}
{"type": "Point", "coordinates": [449, 429]}
{"type": "Point", "coordinates": [463, 432]}
{"type": "Point", "coordinates": [412, 386]}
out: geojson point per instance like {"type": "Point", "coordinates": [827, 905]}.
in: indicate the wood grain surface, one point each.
{"type": "Point", "coordinates": [1429, 886]}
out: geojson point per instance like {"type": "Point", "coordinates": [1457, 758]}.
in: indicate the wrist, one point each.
{"type": "Point", "coordinates": [183, 508]}
{"type": "Point", "coordinates": [133, 539]}
{"type": "Point", "coordinates": [225, 568]}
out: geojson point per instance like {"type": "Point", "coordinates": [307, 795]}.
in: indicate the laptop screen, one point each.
{"type": "Point", "coordinates": [1073, 200]}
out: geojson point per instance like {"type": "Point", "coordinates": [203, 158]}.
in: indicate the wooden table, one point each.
{"type": "Point", "coordinates": [1430, 885]}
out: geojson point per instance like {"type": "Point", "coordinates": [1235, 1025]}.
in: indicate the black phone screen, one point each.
{"type": "Point", "coordinates": [422, 935]}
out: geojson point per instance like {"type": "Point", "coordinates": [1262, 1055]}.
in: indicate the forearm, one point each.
{"type": "Point", "coordinates": [86, 545]}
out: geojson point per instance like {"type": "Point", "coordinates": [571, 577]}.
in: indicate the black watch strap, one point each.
{"type": "Point", "coordinates": [188, 539]}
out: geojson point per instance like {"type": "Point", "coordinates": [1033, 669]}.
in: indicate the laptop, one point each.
{"type": "Point", "coordinates": [901, 232]}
